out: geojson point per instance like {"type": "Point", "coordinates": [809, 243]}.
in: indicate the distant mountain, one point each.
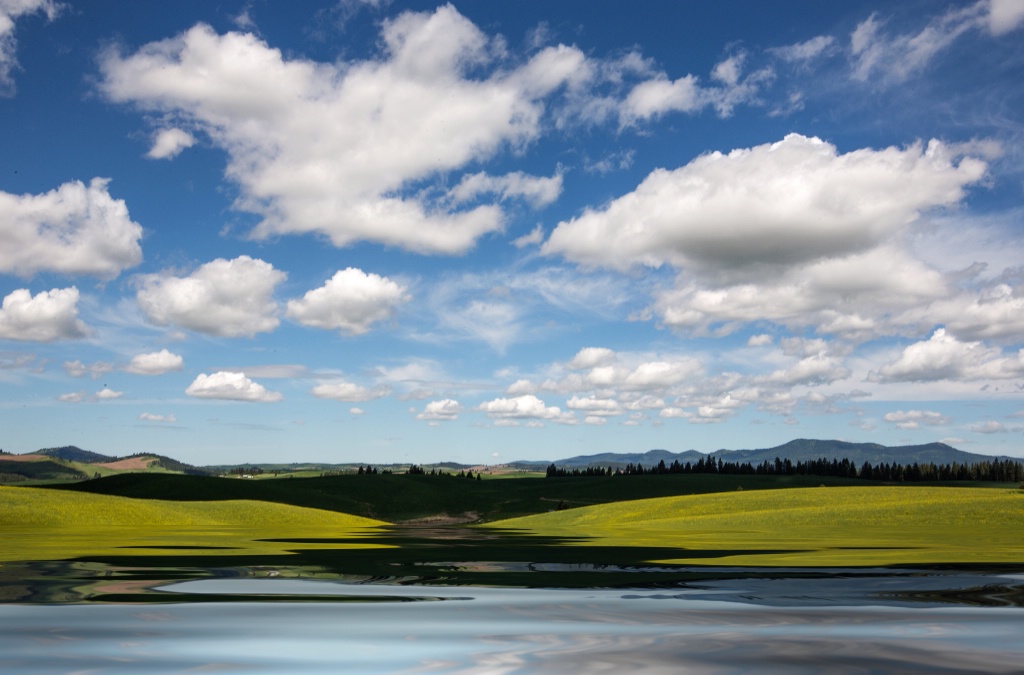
{"type": "Point", "coordinates": [72, 453]}
{"type": "Point", "coordinates": [617, 460]}
{"type": "Point", "coordinates": [800, 450]}
{"type": "Point", "coordinates": [803, 449]}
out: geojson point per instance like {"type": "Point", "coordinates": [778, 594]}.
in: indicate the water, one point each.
{"type": "Point", "coordinates": [488, 630]}
{"type": "Point", "coordinates": [460, 603]}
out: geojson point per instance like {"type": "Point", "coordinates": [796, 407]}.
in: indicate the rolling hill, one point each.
{"type": "Point", "coordinates": [73, 453]}
{"type": "Point", "coordinates": [71, 463]}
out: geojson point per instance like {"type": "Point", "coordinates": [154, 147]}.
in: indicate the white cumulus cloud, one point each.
{"type": "Point", "coordinates": [44, 317]}
{"type": "Point", "coordinates": [660, 94]}
{"type": "Point", "coordinates": [913, 419]}
{"type": "Point", "coordinates": [591, 357]}
{"type": "Point", "coordinates": [350, 302]}
{"type": "Point", "coordinates": [795, 233]}
{"type": "Point", "coordinates": [527, 407]}
{"type": "Point", "coordinates": [335, 148]}
{"type": "Point", "coordinates": [228, 298]}
{"type": "Point", "coordinates": [445, 410]}
{"type": "Point", "coordinates": [74, 229]}
{"type": "Point", "coordinates": [943, 357]}
{"type": "Point", "coordinates": [155, 363]}
{"type": "Point", "coordinates": [657, 96]}
{"type": "Point", "coordinates": [232, 387]}
{"type": "Point", "coordinates": [795, 201]}
{"type": "Point", "coordinates": [169, 143]}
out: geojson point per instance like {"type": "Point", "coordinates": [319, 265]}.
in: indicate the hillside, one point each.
{"type": "Point", "coordinates": [19, 468]}
{"type": "Point", "coordinates": [860, 525]}
{"type": "Point", "coordinates": [71, 463]}
{"type": "Point", "coordinates": [73, 453]}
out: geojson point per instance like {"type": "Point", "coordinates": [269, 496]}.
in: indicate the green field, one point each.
{"type": "Point", "coordinates": [682, 519]}
{"type": "Point", "coordinates": [848, 526]}
{"type": "Point", "coordinates": [41, 524]}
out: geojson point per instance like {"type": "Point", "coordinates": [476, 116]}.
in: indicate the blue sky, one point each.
{"type": "Point", "coordinates": [388, 232]}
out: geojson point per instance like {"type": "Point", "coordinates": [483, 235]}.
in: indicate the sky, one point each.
{"type": "Point", "coordinates": [372, 231]}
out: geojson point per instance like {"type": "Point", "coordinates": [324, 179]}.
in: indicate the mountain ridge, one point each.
{"type": "Point", "coordinates": [797, 450]}
{"type": "Point", "coordinates": [79, 463]}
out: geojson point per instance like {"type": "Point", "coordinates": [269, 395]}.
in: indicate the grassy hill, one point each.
{"type": "Point", "coordinates": [13, 470]}
{"type": "Point", "coordinates": [71, 463]}
{"type": "Point", "coordinates": [855, 526]}
{"type": "Point", "coordinates": [73, 453]}
{"type": "Point", "coordinates": [40, 524]}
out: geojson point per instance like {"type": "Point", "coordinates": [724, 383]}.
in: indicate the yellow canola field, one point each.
{"type": "Point", "coordinates": [41, 524]}
{"type": "Point", "coordinates": [833, 526]}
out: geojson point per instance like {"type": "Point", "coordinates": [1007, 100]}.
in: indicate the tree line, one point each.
{"type": "Point", "coordinates": [413, 470]}
{"type": "Point", "coordinates": [996, 470]}
{"type": "Point", "coordinates": [416, 470]}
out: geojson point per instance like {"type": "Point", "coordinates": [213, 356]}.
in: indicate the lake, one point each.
{"type": "Point", "coordinates": [452, 602]}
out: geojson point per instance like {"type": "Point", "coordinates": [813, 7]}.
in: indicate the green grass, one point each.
{"type": "Point", "coordinates": [43, 524]}
{"type": "Point", "coordinates": [849, 526]}
{"type": "Point", "coordinates": [773, 521]}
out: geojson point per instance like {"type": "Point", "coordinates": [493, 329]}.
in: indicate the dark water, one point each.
{"type": "Point", "coordinates": [454, 602]}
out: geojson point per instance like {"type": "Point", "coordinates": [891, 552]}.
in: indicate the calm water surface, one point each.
{"type": "Point", "coordinates": [402, 628]}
